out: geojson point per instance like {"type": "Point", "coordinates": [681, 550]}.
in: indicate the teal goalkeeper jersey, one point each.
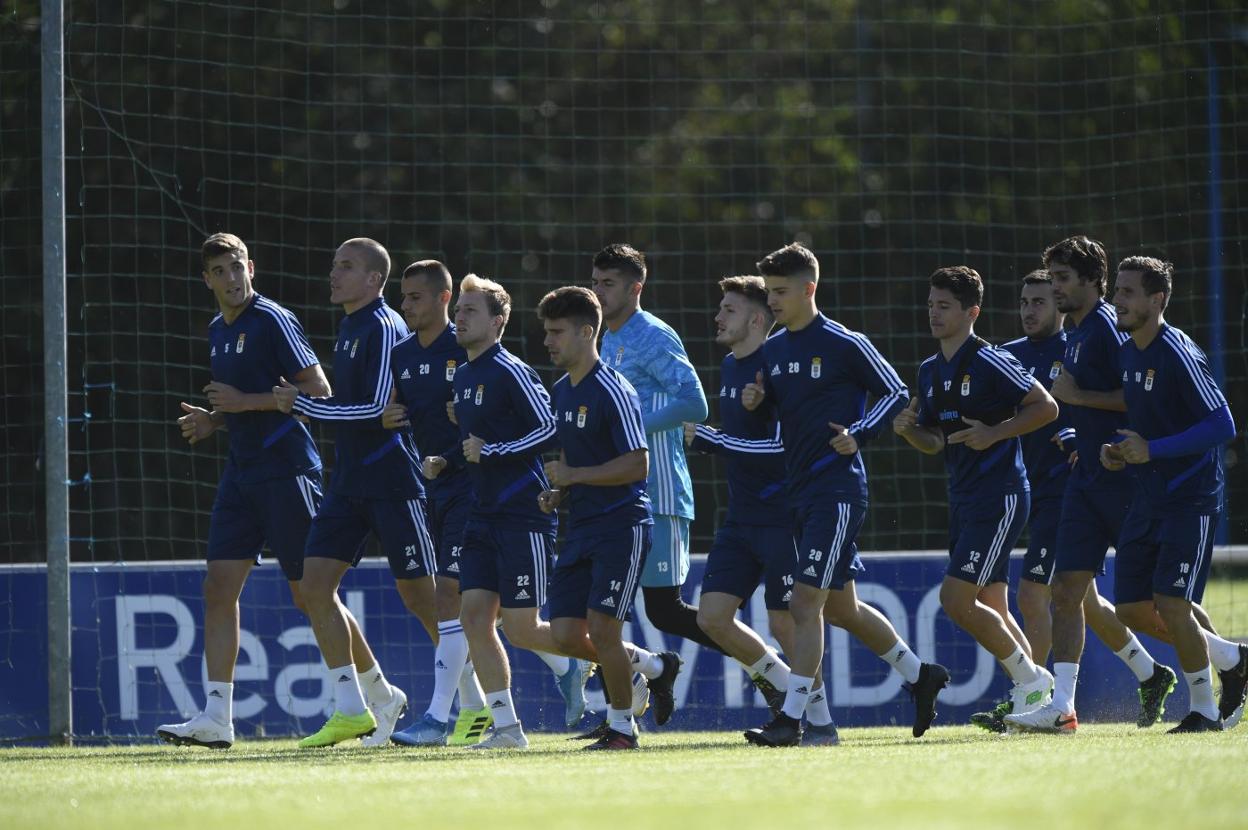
{"type": "Point", "coordinates": [650, 355]}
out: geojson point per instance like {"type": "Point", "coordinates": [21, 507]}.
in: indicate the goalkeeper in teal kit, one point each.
{"type": "Point", "coordinates": [651, 356]}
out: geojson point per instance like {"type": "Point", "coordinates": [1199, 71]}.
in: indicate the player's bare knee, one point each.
{"type": "Point", "coordinates": [521, 632]}
{"type": "Point", "coordinates": [447, 607]}
{"type": "Point", "coordinates": [957, 598]}
{"type": "Point", "coordinates": [318, 595]}
{"type": "Point", "coordinates": [781, 625]}
{"type": "Point", "coordinates": [806, 604]}
{"type": "Point", "coordinates": [214, 595]}
{"type": "Point", "coordinates": [1068, 591]}
{"type": "Point", "coordinates": [567, 638]}
{"type": "Point", "coordinates": [604, 631]}
{"type": "Point", "coordinates": [713, 621]}
{"type": "Point", "coordinates": [957, 609]}
{"type": "Point", "coordinates": [296, 598]}
{"type": "Point", "coordinates": [1135, 615]}
{"type": "Point", "coordinates": [840, 615]}
{"type": "Point", "coordinates": [1033, 602]}
{"type": "Point", "coordinates": [477, 618]}
{"type": "Point", "coordinates": [447, 599]}
{"type": "Point", "coordinates": [416, 602]}
{"type": "Point", "coordinates": [1173, 610]}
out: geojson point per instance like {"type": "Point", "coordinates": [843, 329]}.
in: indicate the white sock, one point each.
{"type": "Point", "coordinates": [771, 668]}
{"type": "Point", "coordinates": [448, 664]}
{"type": "Point", "coordinates": [1222, 653]}
{"type": "Point", "coordinates": [797, 695]}
{"type": "Point", "coordinates": [501, 707]}
{"type": "Point", "coordinates": [817, 707]}
{"type": "Point", "coordinates": [646, 662]}
{"type": "Point", "coordinates": [348, 698]}
{"type": "Point", "coordinates": [905, 661]}
{"type": "Point", "coordinates": [621, 720]}
{"type": "Point", "coordinates": [1137, 658]}
{"type": "Point", "coordinates": [219, 701]}
{"type": "Point", "coordinates": [471, 696]}
{"type": "Point", "coordinates": [557, 662]}
{"type": "Point", "coordinates": [377, 691]}
{"type": "Point", "coordinates": [1200, 688]}
{"type": "Point", "coordinates": [1019, 667]}
{"type": "Point", "coordinates": [1065, 676]}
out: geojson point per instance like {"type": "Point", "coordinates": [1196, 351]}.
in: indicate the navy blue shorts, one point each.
{"type": "Point", "coordinates": [1164, 555]}
{"type": "Point", "coordinates": [447, 519]}
{"type": "Point", "coordinates": [743, 554]}
{"type": "Point", "coordinates": [827, 549]}
{"type": "Point", "coordinates": [981, 535]}
{"type": "Point", "coordinates": [278, 512]}
{"type": "Point", "coordinates": [600, 573]}
{"type": "Point", "coordinates": [1091, 522]}
{"type": "Point", "coordinates": [1041, 553]}
{"type": "Point", "coordinates": [341, 527]}
{"type": "Point", "coordinates": [512, 563]}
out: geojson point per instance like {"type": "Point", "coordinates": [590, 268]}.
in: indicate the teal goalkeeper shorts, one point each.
{"type": "Point", "coordinates": [668, 562]}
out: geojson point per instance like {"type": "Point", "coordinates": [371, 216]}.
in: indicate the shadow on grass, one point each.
{"type": "Point", "coordinates": [250, 753]}
{"type": "Point", "coordinates": [544, 747]}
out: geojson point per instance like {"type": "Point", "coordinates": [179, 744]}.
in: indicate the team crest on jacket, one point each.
{"type": "Point", "coordinates": [1055, 370]}
{"type": "Point", "coordinates": [450, 370]}
{"type": "Point", "coordinates": [1148, 380]}
{"type": "Point", "coordinates": [581, 412]}
{"type": "Point", "coordinates": [355, 346]}
{"type": "Point", "coordinates": [480, 394]}
{"type": "Point", "coordinates": [966, 385]}
{"type": "Point", "coordinates": [619, 356]}
{"type": "Point", "coordinates": [816, 367]}
{"type": "Point", "coordinates": [242, 339]}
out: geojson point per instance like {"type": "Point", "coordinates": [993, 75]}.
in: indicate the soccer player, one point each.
{"type": "Point", "coordinates": [601, 474]}
{"type": "Point", "coordinates": [973, 402]}
{"type": "Point", "coordinates": [756, 541]}
{"type": "Point", "coordinates": [1045, 456]}
{"type": "Point", "coordinates": [1178, 419]}
{"type": "Point", "coordinates": [649, 353]}
{"type": "Point", "coordinates": [270, 487]}
{"type": "Point", "coordinates": [375, 489]}
{"type": "Point", "coordinates": [817, 376]}
{"type": "Point", "coordinates": [1095, 500]}
{"type": "Point", "coordinates": [504, 419]}
{"type": "Point", "coordinates": [424, 366]}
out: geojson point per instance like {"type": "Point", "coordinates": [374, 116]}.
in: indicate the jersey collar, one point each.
{"type": "Point", "coordinates": [1089, 319]}
{"type": "Point", "coordinates": [635, 320]}
{"type": "Point", "coordinates": [247, 309]}
{"type": "Point", "coordinates": [1060, 334]}
{"type": "Point", "coordinates": [489, 353]}
{"type": "Point", "coordinates": [940, 353]}
{"type": "Point", "coordinates": [367, 310]}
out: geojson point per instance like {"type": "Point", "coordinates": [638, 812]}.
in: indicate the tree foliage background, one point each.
{"type": "Point", "coordinates": [515, 138]}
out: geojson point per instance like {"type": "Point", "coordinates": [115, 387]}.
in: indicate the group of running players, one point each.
{"type": "Point", "coordinates": [451, 452]}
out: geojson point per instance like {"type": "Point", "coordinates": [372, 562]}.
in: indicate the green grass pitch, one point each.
{"type": "Point", "coordinates": [1106, 776]}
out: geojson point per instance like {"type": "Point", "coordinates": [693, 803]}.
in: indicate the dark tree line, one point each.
{"type": "Point", "coordinates": [514, 139]}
